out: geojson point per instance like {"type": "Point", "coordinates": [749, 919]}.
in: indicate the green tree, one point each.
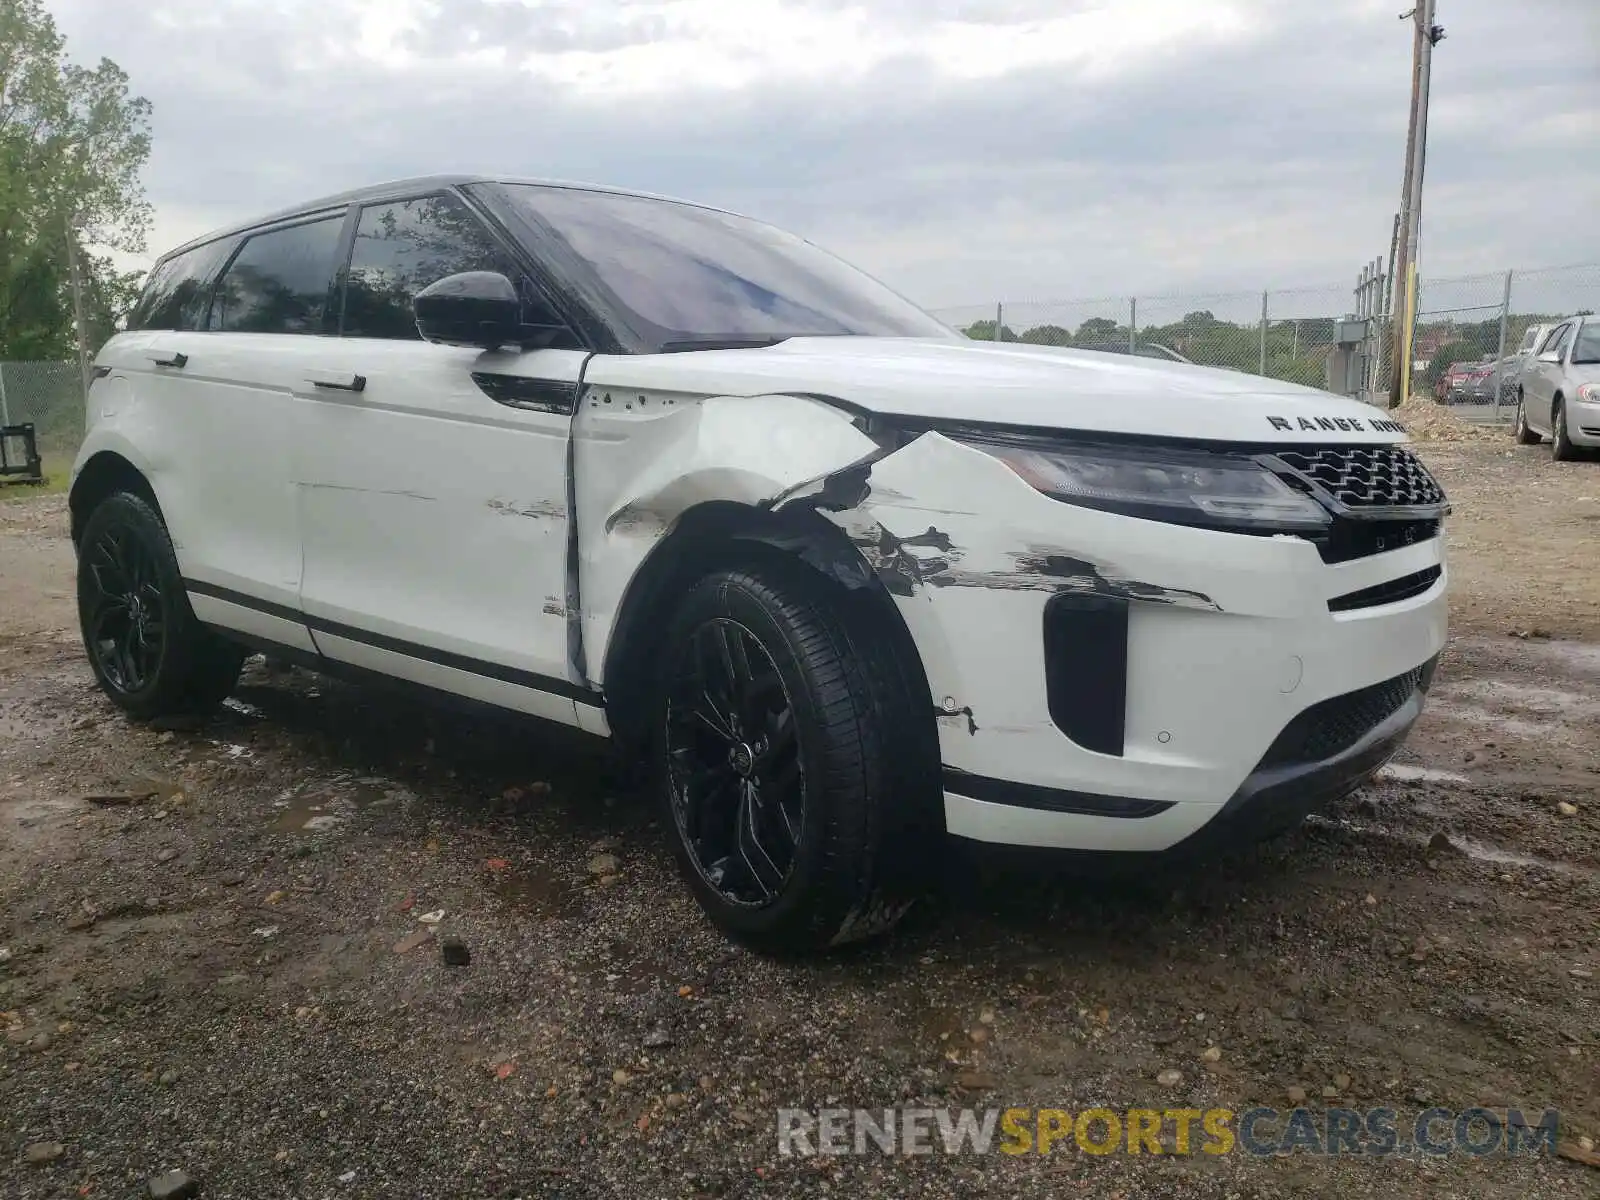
{"type": "Point", "coordinates": [983, 331]}
{"type": "Point", "coordinates": [73, 142]}
{"type": "Point", "coordinates": [1048, 335]}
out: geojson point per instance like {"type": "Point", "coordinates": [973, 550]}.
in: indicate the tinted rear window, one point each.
{"type": "Point", "coordinates": [681, 273]}
{"type": "Point", "coordinates": [175, 295]}
{"type": "Point", "coordinates": [279, 281]}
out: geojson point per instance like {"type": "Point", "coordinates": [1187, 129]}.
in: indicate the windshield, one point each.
{"type": "Point", "coordinates": [1587, 347]}
{"type": "Point", "coordinates": [688, 276]}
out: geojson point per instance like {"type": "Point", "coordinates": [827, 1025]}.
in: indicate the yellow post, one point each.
{"type": "Point", "coordinates": [1411, 329]}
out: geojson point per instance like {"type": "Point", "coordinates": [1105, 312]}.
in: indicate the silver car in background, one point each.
{"type": "Point", "coordinates": [1511, 366]}
{"type": "Point", "coordinates": [1558, 394]}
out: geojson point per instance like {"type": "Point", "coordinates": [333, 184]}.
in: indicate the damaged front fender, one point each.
{"type": "Point", "coordinates": [938, 514]}
{"type": "Point", "coordinates": [644, 460]}
{"type": "Point", "coordinates": [752, 450]}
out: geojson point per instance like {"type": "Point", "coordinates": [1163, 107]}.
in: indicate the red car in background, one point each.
{"type": "Point", "coordinates": [1466, 383]}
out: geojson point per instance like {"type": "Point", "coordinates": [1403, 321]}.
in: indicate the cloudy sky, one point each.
{"type": "Point", "coordinates": [963, 150]}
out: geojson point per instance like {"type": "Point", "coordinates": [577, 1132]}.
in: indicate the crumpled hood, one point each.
{"type": "Point", "coordinates": [1014, 384]}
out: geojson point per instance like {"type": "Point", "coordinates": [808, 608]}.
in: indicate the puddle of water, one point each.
{"type": "Point", "coordinates": [941, 1025]}
{"type": "Point", "coordinates": [1540, 700]}
{"type": "Point", "coordinates": [1472, 714]}
{"type": "Point", "coordinates": [308, 814]}
{"type": "Point", "coordinates": [1483, 852]}
{"type": "Point", "coordinates": [1580, 657]}
{"type": "Point", "coordinates": [1500, 856]}
{"type": "Point", "coordinates": [1405, 773]}
{"type": "Point", "coordinates": [335, 803]}
{"type": "Point", "coordinates": [535, 890]}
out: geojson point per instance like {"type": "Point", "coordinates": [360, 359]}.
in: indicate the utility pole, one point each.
{"type": "Point", "coordinates": [79, 322]}
{"type": "Point", "coordinates": [1426, 35]}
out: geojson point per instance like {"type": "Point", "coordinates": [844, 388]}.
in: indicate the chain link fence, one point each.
{"type": "Point", "coordinates": [1335, 336]}
{"type": "Point", "coordinates": [1287, 334]}
{"type": "Point", "coordinates": [48, 396]}
{"type": "Point", "coordinates": [1471, 330]}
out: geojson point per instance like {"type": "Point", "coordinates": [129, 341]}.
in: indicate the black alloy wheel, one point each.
{"type": "Point", "coordinates": [125, 626]}
{"type": "Point", "coordinates": [737, 781]}
{"type": "Point", "coordinates": [149, 652]}
{"type": "Point", "coordinates": [795, 756]}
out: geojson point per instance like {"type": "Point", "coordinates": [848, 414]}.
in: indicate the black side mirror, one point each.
{"type": "Point", "coordinates": [472, 308]}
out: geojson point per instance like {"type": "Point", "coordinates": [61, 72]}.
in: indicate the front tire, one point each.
{"type": "Point", "coordinates": [1519, 427]}
{"type": "Point", "coordinates": [1561, 447]}
{"type": "Point", "coordinates": [149, 652]}
{"type": "Point", "coordinates": [791, 759]}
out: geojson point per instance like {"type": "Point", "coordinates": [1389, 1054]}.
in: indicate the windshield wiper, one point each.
{"type": "Point", "coordinates": [723, 343]}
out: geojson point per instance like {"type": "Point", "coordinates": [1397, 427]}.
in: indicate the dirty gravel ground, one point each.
{"type": "Point", "coordinates": [207, 979]}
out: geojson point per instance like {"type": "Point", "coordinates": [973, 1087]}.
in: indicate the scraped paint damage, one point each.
{"type": "Point", "coordinates": [964, 715]}
{"type": "Point", "coordinates": [932, 559]}
{"type": "Point", "coordinates": [547, 509]}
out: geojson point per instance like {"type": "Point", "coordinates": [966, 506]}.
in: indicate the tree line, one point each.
{"type": "Point", "coordinates": [73, 141]}
{"type": "Point", "coordinates": [1296, 349]}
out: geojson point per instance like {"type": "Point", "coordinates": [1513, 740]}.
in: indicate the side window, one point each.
{"type": "Point", "coordinates": [401, 248]}
{"type": "Point", "coordinates": [1559, 346]}
{"type": "Point", "coordinates": [279, 281]}
{"type": "Point", "coordinates": [1552, 340]}
{"type": "Point", "coordinates": [1528, 339]}
{"type": "Point", "coordinates": [174, 297]}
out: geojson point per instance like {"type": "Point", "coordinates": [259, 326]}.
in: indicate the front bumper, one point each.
{"type": "Point", "coordinates": [1583, 422]}
{"type": "Point", "coordinates": [1217, 643]}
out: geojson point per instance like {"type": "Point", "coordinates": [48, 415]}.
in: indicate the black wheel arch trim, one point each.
{"type": "Point", "coordinates": [548, 684]}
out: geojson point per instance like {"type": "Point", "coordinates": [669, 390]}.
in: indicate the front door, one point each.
{"type": "Point", "coordinates": [432, 480]}
{"type": "Point", "coordinates": [1539, 379]}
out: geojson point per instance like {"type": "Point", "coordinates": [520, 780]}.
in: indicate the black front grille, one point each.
{"type": "Point", "coordinates": [1333, 726]}
{"type": "Point", "coordinates": [1403, 588]}
{"type": "Point", "coordinates": [1366, 476]}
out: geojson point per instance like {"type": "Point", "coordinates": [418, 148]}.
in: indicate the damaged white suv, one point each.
{"type": "Point", "coordinates": [849, 582]}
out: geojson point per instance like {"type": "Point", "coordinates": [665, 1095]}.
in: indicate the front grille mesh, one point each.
{"type": "Point", "coordinates": [1366, 476]}
{"type": "Point", "coordinates": [1335, 725]}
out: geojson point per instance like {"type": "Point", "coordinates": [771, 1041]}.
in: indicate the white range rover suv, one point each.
{"type": "Point", "coordinates": [846, 581]}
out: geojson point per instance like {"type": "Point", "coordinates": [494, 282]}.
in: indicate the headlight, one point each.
{"type": "Point", "coordinates": [1589, 393]}
{"type": "Point", "coordinates": [1182, 488]}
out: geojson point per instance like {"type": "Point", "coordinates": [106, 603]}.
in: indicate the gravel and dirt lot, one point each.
{"type": "Point", "coordinates": [222, 949]}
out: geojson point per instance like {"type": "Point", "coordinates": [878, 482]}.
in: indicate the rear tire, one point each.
{"type": "Point", "coordinates": [1519, 427]}
{"type": "Point", "coordinates": [1561, 447]}
{"type": "Point", "coordinates": [149, 652]}
{"type": "Point", "coordinates": [799, 802]}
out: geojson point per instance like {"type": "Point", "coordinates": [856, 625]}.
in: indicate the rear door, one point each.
{"type": "Point", "coordinates": [242, 373]}
{"type": "Point", "coordinates": [432, 499]}
{"type": "Point", "coordinates": [208, 413]}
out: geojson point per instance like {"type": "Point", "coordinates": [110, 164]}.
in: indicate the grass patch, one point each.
{"type": "Point", "coordinates": [57, 475]}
